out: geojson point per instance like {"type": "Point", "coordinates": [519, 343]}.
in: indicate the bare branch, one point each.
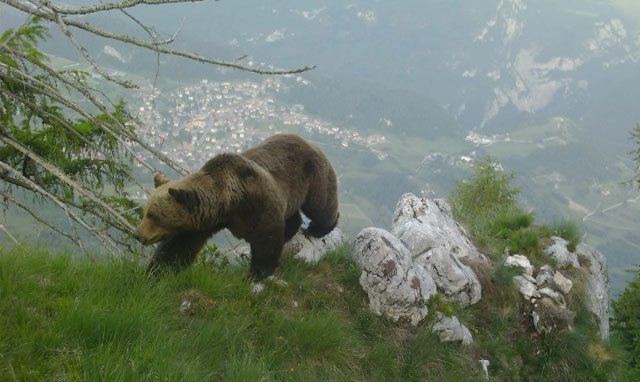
{"type": "Point", "coordinates": [83, 208]}
{"type": "Point", "coordinates": [172, 38]}
{"type": "Point", "coordinates": [97, 234]}
{"type": "Point", "coordinates": [153, 36]}
{"type": "Point", "coordinates": [126, 39]}
{"type": "Point", "coordinates": [31, 212]}
{"type": "Point", "coordinates": [60, 175]}
{"type": "Point", "coordinates": [87, 57]}
{"type": "Point", "coordinates": [9, 234]}
{"type": "Point", "coordinates": [109, 6]}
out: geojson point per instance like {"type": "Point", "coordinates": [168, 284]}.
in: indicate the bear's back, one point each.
{"type": "Point", "coordinates": [288, 155]}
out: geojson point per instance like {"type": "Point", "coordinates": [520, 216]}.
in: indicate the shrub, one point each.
{"type": "Point", "coordinates": [626, 323]}
{"type": "Point", "coordinates": [480, 200]}
{"type": "Point", "coordinates": [568, 230]}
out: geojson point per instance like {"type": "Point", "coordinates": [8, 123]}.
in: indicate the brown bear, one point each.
{"type": "Point", "coordinates": [257, 195]}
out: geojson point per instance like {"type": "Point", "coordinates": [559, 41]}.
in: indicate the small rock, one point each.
{"type": "Point", "coordinates": [526, 287]}
{"type": "Point", "coordinates": [535, 317]}
{"type": "Point", "coordinates": [277, 281]}
{"type": "Point", "coordinates": [552, 294]}
{"type": "Point", "coordinates": [485, 367]}
{"type": "Point", "coordinates": [544, 276]}
{"type": "Point", "coordinates": [449, 329]}
{"type": "Point", "coordinates": [519, 261]}
{"type": "Point", "coordinates": [312, 249]}
{"type": "Point", "coordinates": [258, 288]}
{"type": "Point", "coordinates": [185, 307]}
{"type": "Point", "coordinates": [562, 283]}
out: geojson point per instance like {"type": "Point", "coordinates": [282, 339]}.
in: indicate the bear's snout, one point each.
{"type": "Point", "coordinates": [147, 236]}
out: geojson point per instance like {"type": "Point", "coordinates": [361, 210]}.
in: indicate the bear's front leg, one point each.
{"type": "Point", "coordinates": [178, 252]}
{"type": "Point", "coordinates": [266, 248]}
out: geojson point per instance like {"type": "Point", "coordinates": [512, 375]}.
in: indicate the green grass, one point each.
{"type": "Point", "coordinates": [62, 319]}
{"type": "Point", "coordinates": [566, 229]}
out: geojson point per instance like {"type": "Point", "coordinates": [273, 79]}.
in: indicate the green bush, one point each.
{"type": "Point", "coordinates": [626, 324]}
{"type": "Point", "coordinates": [484, 197]}
{"type": "Point", "coordinates": [566, 229]}
{"type": "Point", "coordinates": [510, 219]}
{"type": "Point", "coordinates": [524, 242]}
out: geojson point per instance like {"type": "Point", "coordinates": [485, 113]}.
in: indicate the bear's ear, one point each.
{"type": "Point", "coordinates": [159, 179]}
{"type": "Point", "coordinates": [187, 198]}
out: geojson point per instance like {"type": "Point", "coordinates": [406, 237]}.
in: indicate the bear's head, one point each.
{"type": "Point", "coordinates": [169, 210]}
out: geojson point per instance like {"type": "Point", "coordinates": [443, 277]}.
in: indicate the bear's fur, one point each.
{"type": "Point", "coordinates": [258, 195]}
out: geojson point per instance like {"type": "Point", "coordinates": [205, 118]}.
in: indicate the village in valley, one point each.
{"type": "Point", "coordinates": [195, 122]}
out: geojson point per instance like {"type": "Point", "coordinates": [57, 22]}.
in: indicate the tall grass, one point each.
{"type": "Point", "coordinates": [73, 320]}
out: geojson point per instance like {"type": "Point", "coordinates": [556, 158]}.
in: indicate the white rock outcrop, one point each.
{"type": "Point", "coordinates": [454, 279]}
{"type": "Point", "coordinates": [438, 244]}
{"type": "Point", "coordinates": [394, 286]}
{"type": "Point", "coordinates": [423, 224]}
{"type": "Point", "coordinates": [596, 286]}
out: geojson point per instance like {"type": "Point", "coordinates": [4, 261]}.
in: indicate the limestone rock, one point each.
{"type": "Point", "coordinates": [519, 261]}
{"type": "Point", "coordinates": [555, 296]}
{"type": "Point", "coordinates": [395, 288]}
{"type": "Point", "coordinates": [597, 285]}
{"type": "Point", "coordinates": [526, 287]}
{"type": "Point", "coordinates": [562, 255]}
{"type": "Point", "coordinates": [544, 275]}
{"type": "Point", "coordinates": [422, 224]}
{"type": "Point", "coordinates": [454, 279]}
{"type": "Point", "coordinates": [449, 329]}
{"type": "Point", "coordinates": [185, 307]}
{"type": "Point", "coordinates": [562, 283]}
{"type": "Point", "coordinates": [312, 249]}
{"type": "Point", "coordinates": [485, 367]}
{"type": "Point", "coordinates": [437, 244]}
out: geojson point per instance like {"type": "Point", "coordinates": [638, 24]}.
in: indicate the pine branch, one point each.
{"type": "Point", "coordinates": [122, 129]}
{"type": "Point", "coordinates": [44, 115]}
{"type": "Point", "coordinates": [60, 175]}
{"type": "Point", "coordinates": [53, 94]}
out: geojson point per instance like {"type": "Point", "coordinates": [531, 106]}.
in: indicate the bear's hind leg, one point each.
{"type": "Point", "coordinates": [292, 225]}
{"type": "Point", "coordinates": [321, 206]}
{"type": "Point", "coordinates": [178, 252]}
{"type": "Point", "coordinates": [323, 219]}
{"type": "Point", "coordinates": [266, 249]}
{"type": "Point", "coordinates": [316, 229]}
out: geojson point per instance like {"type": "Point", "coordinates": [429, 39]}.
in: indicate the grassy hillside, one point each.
{"type": "Point", "coordinates": [63, 319]}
